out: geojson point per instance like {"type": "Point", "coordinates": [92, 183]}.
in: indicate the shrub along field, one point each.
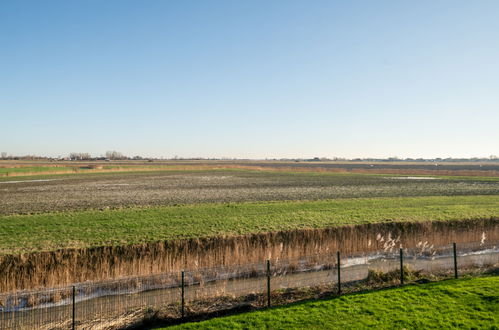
{"type": "Point", "coordinates": [463, 304]}
{"type": "Point", "coordinates": [91, 228]}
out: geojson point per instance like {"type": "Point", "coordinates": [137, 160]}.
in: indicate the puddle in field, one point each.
{"type": "Point", "coordinates": [410, 178]}
{"type": "Point", "coordinates": [215, 177]}
{"type": "Point", "coordinates": [114, 184]}
{"type": "Point", "coordinates": [27, 181]}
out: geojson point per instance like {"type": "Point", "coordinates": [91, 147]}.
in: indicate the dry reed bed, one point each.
{"type": "Point", "coordinates": [125, 317]}
{"type": "Point", "coordinates": [63, 267]}
{"type": "Point", "coordinates": [100, 169]}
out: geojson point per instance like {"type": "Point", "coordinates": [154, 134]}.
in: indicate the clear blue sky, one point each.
{"type": "Point", "coordinates": [250, 79]}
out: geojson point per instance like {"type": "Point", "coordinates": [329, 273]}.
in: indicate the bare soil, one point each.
{"type": "Point", "coordinates": [114, 190]}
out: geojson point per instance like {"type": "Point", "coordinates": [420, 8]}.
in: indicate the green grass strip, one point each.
{"type": "Point", "coordinates": [455, 304]}
{"type": "Point", "coordinates": [49, 231]}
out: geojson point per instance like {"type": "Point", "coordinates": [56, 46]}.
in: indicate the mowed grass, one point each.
{"type": "Point", "coordinates": [464, 304]}
{"type": "Point", "coordinates": [50, 231]}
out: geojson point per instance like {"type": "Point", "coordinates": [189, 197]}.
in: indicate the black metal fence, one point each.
{"type": "Point", "coordinates": [181, 295]}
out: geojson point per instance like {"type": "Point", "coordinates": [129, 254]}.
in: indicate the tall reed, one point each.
{"type": "Point", "coordinates": [63, 267]}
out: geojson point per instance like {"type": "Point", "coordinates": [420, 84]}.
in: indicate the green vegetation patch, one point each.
{"type": "Point", "coordinates": [33, 169]}
{"type": "Point", "coordinates": [50, 231]}
{"type": "Point", "coordinates": [465, 304]}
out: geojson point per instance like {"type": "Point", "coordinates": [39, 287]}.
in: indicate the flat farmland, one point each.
{"type": "Point", "coordinates": [13, 166]}
{"type": "Point", "coordinates": [61, 228]}
{"type": "Point", "coordinates": [378, 165]}
{"type": "Point", "coordinates": [49, 193]}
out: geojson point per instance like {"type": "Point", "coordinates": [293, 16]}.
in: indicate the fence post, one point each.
{"type": "Point", "coordinates": [268, 283]}
{"type": "Point", "coordinates": [74, 308]}
{"type": "Point", "coordinates": [401, 266]}
{"type": "Point", "coordinates": [338, 270]}
{"type": "Point", "coordinates": [455, 259]}
{"type": "Point", "coordinates": [183, 295]}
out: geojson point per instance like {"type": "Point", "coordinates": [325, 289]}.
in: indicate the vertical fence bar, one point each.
{"type": "Point", "coordinates": [74, 308]}
{"type": "Point", "coordinates": [455, 259]}
{"type": "Point", "coordinates": [268, 283]}
{"type": "Point", "coordinates": [338, 270]}
{"type": "Point", "coordinates": [183, 295]}
{"type": "Point", "coordinates": [401, 266]}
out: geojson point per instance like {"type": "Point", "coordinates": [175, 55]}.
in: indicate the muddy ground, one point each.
{"type": "Point", "coordinates": [24, 195]}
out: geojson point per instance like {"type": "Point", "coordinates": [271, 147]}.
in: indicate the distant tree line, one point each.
{"type": "Point", "coordinates": [6, 156]}
{"type": "Point", "coordinates": [80, 156]}
{"type": "Point", "coordinates": [76, 156]}
{"type": "Point", "coordinates": [397, 159]}
{"type": "Point", "coordinates": [115, 155]}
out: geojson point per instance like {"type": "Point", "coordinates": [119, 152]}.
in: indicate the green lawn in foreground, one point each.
{"type": "Point", "coordinates": [42, 232]}
{"type": "Point", "coordinates": [464, 304]}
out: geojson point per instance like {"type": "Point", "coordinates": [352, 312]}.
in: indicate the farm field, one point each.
{"type": "Point", "coordinates": [139, 219]}
{"type": "Point", "coordinates": [83, 191]}
{"type": "Point", "coordinates": [18, 167]}
{"type": "Point", "coordinates": [91, 228]}
{"type": "Point", "coordinates": [465, 303]}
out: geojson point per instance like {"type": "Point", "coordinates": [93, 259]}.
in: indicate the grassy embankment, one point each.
{"type": "Point", "coordinates": [51, 231]}
{"type": "Point", "coordinates": [465, 304]}
{"type": "Point", "coordinates": [32, 171]}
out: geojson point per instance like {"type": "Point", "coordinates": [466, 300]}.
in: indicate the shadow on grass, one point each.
{"type": "Point", "coordinates": [350, 289]}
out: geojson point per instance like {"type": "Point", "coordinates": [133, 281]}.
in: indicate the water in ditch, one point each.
{"type": "Point", "coordinates": [17, 312]}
